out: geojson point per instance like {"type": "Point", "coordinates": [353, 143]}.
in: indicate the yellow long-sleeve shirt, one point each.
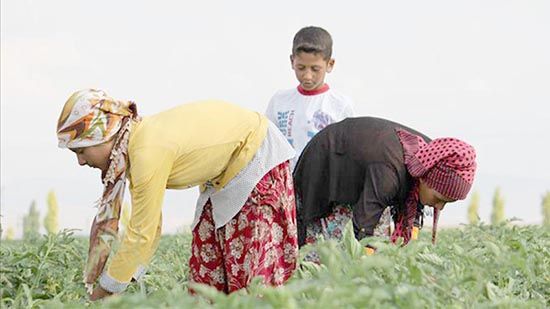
{"type": "Point", "coordinates": [179, 148]}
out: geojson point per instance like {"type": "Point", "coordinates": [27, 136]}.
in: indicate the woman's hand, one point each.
{"type": "Point", "coordinates": [99, 293]}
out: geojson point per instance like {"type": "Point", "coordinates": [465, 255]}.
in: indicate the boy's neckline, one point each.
{"type": "Point", "coordinates": [323, 89]}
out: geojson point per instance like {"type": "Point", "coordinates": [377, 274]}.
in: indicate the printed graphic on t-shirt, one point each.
{"type": "Point", "coordinates": [284, 123]}
{"type": "Point", "coordinates": [320, 121]}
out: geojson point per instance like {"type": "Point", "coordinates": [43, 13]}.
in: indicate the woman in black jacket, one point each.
{"type": "Point", "coordinates": [356, 168]}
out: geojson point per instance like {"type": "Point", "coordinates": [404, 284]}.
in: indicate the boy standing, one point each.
{"type": "Point", "coordinates": [303, 111]}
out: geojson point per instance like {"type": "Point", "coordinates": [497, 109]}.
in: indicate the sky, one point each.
{"type": "Point", "coordinates": [474, 70]}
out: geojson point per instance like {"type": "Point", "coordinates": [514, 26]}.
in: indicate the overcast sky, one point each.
{"type": "Point", "coordinates": [475, 70]}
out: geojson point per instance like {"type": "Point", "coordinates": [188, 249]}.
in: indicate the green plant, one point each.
{"type": "Point", "coordinates": [546, 208]}
{"type": "Point", "coordinates": [473, 209]}
{"type": "Point", "coordinates": [497, 216]}
{"type": "Point", "coordinates": [10, 233]}
{"type": "Point", "coordinates": [477, 266]}
{"type": "Point", "coordinates": [51, 218]}
{"type": "Point", "coordinates": [49, 268]}
{"type": "Point", "coordinates": [31, 223]}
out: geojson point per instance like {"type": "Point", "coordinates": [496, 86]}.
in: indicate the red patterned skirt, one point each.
{"type": "Point", "coordinates": [261, 240]}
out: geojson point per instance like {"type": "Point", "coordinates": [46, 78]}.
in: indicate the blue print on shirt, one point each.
{"type": "Point", "coordinates": [282, 122]}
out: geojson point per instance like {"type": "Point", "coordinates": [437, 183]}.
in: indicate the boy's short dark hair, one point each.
{"type": "Point", "coordinates": [313, 40]}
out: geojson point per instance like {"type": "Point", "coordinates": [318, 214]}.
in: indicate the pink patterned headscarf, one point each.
{"type": "Point", "coordinates": [446, 165]}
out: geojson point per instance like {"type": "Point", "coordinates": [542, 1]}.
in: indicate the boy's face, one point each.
{"type": "Point", "coordinates": [310, 69]}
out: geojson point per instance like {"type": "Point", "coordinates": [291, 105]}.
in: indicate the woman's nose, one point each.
{"type": "Point", "coordinates": [440, 206]}
{"type": "Point", "coordinates": [81, 160]}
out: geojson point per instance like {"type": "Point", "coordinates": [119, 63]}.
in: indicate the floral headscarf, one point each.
{"type": "Point", "coordinates": [90, 117]}
{"type": "Point", "coordinates": [447, 165]}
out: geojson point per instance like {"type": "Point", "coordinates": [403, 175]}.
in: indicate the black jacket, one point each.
{"type": "Point", "coordinates": [358, 161]}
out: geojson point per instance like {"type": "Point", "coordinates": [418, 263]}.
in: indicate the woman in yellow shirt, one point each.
{"type": "Point", "coordinates": [245, 217]}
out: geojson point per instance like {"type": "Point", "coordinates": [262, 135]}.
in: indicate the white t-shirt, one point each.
{"type": "Point", "coordinates": [300, 114]}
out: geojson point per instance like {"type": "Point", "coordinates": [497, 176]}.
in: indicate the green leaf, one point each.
{"type": "Point", "coordinates": [352, 245]}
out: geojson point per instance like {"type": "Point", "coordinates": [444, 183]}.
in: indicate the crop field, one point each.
{"type": "Point", "coordinates": [482, 266]}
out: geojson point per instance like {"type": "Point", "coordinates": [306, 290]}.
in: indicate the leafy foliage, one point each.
{"type": "Point", "coordinates": [477, 266]}
{"type": "Point", "coordinates": [31, 223]}
{"type": "Point", "coordinates": [47, 269]}
{"type": "Point", "coordinates": [546, 209]}
{"type": "Point", "coordinates": [473, 208]}
{"type": "Point", "coordinates": [10, 233]}
{"type": "Point", "coordinates": [497, 216]}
